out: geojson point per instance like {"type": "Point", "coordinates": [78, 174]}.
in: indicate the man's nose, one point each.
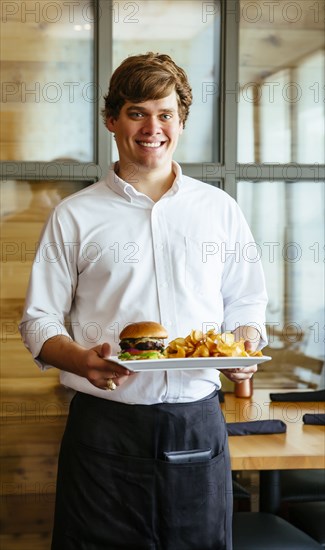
{"type": "Point", "coordinates": [151, 126]}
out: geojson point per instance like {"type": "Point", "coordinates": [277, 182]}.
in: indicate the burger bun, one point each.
{"type": "Point", "coordinates": [147, 329]}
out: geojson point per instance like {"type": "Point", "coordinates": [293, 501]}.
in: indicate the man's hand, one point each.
{"type": "Point", "coordinates": [93, 364]}
{"type": "Point", "coordinates": [252, 338]}
{"type": "Point", "coordinates": [100, 370]}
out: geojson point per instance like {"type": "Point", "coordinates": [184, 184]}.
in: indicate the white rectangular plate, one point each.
{"type": "Point", "coordinates": [191, 363]}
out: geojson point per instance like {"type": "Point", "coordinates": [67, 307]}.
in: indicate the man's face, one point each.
{"type": "Point", "coordinates": [147, 133]}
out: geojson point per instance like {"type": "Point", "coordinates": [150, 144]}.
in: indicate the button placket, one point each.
{"type": "Point", "coordinates": [165, 289]}
{"type": "Point", "coordinates": [161, 252]}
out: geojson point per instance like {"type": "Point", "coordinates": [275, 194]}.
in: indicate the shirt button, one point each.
{"type": "Point", "coordinates": [164, 284]}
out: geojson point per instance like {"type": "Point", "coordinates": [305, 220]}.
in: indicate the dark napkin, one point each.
{"type": "Point", "coordinates": [256, 427]}
{"type": "Point", "coordinates": [317, 395]}
{"type": "Point", "coordinates": [318, 419]}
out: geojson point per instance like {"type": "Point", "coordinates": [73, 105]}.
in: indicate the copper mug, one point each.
{"type": "Point", "coordinates": [244, 388]}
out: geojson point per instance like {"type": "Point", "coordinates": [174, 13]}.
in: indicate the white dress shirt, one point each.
{"type": "Point", "coordinates": [109, 256]}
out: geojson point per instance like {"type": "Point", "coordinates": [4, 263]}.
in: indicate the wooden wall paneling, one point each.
{"type": "Point", "coordinates": [41, 400]}
{"type": "Point", "coordinates": [32, 421]}
{"type": "Point", "coordinates": [33, 435]}
{"type": "Point", "coordinates": [17, 541]}
{"type": "Point", "coordinates": [17, 362]}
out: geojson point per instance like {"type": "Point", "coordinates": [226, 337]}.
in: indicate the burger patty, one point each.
{"type": "Point", "coordinates": [142, 344]}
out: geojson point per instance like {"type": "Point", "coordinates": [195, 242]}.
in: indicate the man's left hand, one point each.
{"type": "Point", "coordinates": [252, 338]}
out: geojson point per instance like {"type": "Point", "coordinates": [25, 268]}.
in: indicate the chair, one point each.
{"type": "Point", "coordinates": [298, 486]}
{"type": "Point", "coordinates": [261, 531]}
{"type": "Point", "coordinates": [242, 497]}
{"type": "Point", "coordinates": [302, 485]}
{"type": "Point", "coordinates": [309, 517]}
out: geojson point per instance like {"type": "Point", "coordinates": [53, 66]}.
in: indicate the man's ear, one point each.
{"type": "Point", "coordinates": [181, 128]}
{"type": "Point", "coordinates": [110, 123]}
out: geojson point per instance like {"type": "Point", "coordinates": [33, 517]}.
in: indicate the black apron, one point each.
{"type": "Point", "coordinates": [115, 490]}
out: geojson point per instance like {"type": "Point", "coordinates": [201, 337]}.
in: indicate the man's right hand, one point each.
{"type": "Point", "coordinates": [100, 370]}
{"type": "Point", "coordinates": [93, 364]}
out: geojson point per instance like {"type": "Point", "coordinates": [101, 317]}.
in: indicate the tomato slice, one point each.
{"type": "Point", "coordinates": [133, 351]}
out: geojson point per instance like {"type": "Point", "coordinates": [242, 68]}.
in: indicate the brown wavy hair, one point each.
{"type": "Point", "coordinates": [144, 77]}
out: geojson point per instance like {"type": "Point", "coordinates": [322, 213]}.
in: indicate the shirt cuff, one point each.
{"type": "Point", "coordinates": [36, 333]}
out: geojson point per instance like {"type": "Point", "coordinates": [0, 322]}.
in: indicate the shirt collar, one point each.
{"type": "Point", "coordinates": [126, 190]}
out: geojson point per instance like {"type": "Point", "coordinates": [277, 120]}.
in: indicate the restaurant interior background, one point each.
{"type": "Point", "coordinates": [256, 129]}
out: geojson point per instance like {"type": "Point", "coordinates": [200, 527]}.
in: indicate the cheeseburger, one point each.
{"type": "Point", "coordinates": [144, 340]}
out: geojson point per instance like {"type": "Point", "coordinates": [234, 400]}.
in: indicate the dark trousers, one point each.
{"type": "Point", "coordinates": [116, 491]}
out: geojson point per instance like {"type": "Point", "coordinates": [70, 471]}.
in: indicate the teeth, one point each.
{"type": "Point", "coordinates": [152, 145]}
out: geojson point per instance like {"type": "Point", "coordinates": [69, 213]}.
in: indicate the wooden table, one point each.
{"type": "Point", "coordinates": [301, 447]}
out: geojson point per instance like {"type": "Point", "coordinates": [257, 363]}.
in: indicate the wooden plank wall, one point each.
{"type": "Point", "coordinates": [33, 404]}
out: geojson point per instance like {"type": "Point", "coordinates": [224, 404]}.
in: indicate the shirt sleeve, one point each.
{"type": "Point", "coordinates": [50, 292]}
{"type": "Point", "coordinates": [243, 284]}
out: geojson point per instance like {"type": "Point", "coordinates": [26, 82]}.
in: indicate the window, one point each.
{"type": "Point", "coordinates": [189, 31]}
{"type": "Point", "coordinates": [310, 109]}
{"type": "Point", "coordinates": [48, 91]}
{"type": "Point", "coordinates": [281, 146]}
{"type": "Point", "coordinates": [281, 82]}
{"type": "Point", "coordinates": [290, 244]}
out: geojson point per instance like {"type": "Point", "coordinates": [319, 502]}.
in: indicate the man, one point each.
{"type": "Point", "coordinates": [138, 246]}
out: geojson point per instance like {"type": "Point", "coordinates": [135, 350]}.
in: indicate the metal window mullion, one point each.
{"type": "Point", "coordinates": [216, 137]}
{"type": "Point", "coordinates": [293, 118]}
{"type": "Point", "coordinates": [105, 63]}
{"type": "Point", "coordinates": [230, 94]}
{"type": "Point", "coordinates": [45, 171]}
{"type": "Point", "coordinates": [257, 172]}
{"type": "Point", "coordinates": [206, 171]}
{"type": "Point", "coordinates": [281, 172]}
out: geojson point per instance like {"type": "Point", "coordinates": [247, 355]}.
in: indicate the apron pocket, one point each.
{"type": "Point", "coordinates": [191, 504]}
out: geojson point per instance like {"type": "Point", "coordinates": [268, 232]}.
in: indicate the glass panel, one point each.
{"type": "Point", "coordinates": [189, 31]}
{"type": "Point", "coordinates": [291, 245]}
{"type": "Point", "coordinates": [47, 74]}
{"type": "Point", "coordinates": [281, 81]}
{"type": "Point", "coordinates": [25, 205]}
{"type": "Point", "coordinates": [275, 124]}
{"type": "Point", "coordinates": [310, 114]}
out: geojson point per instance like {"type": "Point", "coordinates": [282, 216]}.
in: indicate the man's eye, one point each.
{"type": "Point", "coordinates": [136, 115]}
{"type": "Point", "coordinates": [167, 116]}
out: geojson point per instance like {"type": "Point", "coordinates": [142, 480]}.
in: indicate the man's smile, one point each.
{"type": "Point", "coordinates": [150, 144]}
